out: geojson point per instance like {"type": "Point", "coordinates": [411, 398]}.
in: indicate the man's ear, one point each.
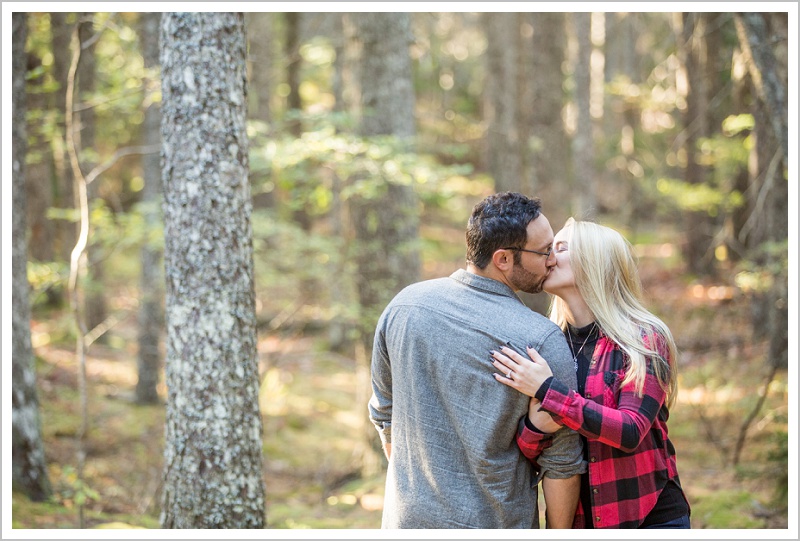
{"type": "Point", "coordinates": [503, 259]}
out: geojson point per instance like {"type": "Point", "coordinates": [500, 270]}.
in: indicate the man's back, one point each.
{"type": "Point", "coordinates": [454, 461]}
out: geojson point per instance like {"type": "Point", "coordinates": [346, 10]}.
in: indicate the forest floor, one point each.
{"type": "Point", "coordinates": [314, 411]}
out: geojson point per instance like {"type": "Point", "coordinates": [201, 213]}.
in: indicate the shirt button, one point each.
{"type": "Point", "coordinates": [597, 519]}
{"type": "Point", "coordinates": [595, 491]}
{"type": "Point", "coordinates": [588, 395]}
{"type": "Point", "coordinates": [592, 459]}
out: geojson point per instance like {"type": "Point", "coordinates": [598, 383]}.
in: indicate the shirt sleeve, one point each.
{"type": "Point", "coordinates": [563, 458]}
{"type": "Point", "coordinates": [380, 404]}
{"type": "Point", "coordinates": [620, 417]}
{"type": "Point", "coordinates": [532, 442]}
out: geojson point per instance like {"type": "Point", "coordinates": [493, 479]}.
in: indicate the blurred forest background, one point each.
{"type": "Point", "coordinates": [369, 138]}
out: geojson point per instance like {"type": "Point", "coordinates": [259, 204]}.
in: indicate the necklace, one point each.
{"type": "Point", "coordinates": [575, 356]}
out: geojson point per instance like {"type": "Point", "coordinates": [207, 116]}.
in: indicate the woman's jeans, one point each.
{"type": "Point", "coordinates": [681, 523]}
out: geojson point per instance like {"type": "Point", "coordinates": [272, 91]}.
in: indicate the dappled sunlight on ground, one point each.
{"type": "Point", "coordinates": [702, 395]}
{"type": "Point", "coordinates": [314, 415]}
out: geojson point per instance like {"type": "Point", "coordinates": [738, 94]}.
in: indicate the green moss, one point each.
{"type": "Point", "coordinates": [728, 509]}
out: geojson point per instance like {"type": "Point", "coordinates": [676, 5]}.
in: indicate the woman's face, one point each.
{"type": "Point", "coordinates": [560, 279]}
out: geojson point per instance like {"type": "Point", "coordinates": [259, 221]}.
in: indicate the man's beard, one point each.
{"type": "Point", "coordinates": [527, 281]}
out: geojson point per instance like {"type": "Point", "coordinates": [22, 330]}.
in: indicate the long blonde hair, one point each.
{"type": "Point", "coordinates": [607, 277]}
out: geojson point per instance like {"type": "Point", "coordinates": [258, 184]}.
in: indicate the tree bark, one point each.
{"type": "Point", "coordinates": [584, 175]}
{"type": "Point", "coordinates": [503, 144]}
{"type": "Point", "coordinates": [259, 31]}
{"type": "Point", "coordinates": [769, 166]}
{"type": "Point", "coordinates": [550, 154]}
{"type": "Point", "coordinates": [213, 472]}
{"type": "Point", "coordinates": [38, 173]}
{"type": "Point", "coordinates": [151, 290]}
{"type": "Point", "coordinates": [385, 225]}
{"type": "Point", "coordinates": [754, 38]}
{"type": "Point", "coordinates": [697, 249]}
{"type": "Point", "coordinates": [292, 54]}
{"type": "Point", "coordinates": [29, 470]}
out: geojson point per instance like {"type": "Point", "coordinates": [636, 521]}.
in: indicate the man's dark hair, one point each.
{"type": "Point", "coordinates": [499, 221]}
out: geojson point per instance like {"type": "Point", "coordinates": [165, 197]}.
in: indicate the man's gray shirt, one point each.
{"type": "Point", "coordinates": [454, 460]}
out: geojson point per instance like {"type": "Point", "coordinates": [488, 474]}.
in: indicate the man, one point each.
{"type": "Point", "coordinates": [447, 429]}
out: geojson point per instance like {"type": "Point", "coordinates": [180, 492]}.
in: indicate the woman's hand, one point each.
{"type": "Point", "coordinates": [524, 375]}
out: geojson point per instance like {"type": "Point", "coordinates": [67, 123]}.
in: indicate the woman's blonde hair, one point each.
{"type": "Point", "coordinates": [607, 277]}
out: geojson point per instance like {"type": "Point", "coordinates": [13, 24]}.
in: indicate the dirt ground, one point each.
{"type": "Point", "coordinates": [310, 394]}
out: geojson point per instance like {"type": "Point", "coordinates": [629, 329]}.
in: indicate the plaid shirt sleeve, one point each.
{"type": "Point", "coordinates": [619, 416]}
{"type": "Point", "coordinates": [532, 442]}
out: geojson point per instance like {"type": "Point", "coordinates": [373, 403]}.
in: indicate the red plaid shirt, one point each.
{"type": "Point", "coordinates": [630, 455]}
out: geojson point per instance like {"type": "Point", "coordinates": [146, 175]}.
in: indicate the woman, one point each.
{"type": "Point", "coordinates": [625, 358]}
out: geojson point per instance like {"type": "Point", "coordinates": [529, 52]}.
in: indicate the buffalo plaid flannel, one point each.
{"type": "Point", "coordinates": [630, 455]}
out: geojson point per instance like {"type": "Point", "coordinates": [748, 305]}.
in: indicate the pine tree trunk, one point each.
{"type": "Point", "coordinates": [38, 173]}
{"type": "Point", "coordinates": [697, 250]}
{"type": "Point", "coordinates": [768, 68]}
{"type": "Point", "coordinates": [582, 142]}
{"type": "Point", "coordinates": [213, 472]}
{"type": "Point", "coordinates": [550, 154]}
{"type": "Point", "coordinates": [151, 290]}
{"type": "Point", "coordinates": [503, 144]}
{"type": "Point", "coordinates": [29, 471]}
{"type": "Point", "coordinates": [386, 226]}
{"type": "Point", "coordinates": [260, 33]}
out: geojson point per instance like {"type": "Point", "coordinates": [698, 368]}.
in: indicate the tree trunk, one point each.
{"type": "Point", "coordinates": [29, 470]}
{"type": "Point", "coordinates": [503, 144]}
{"type": "Point", "coordinates": [292, 54]}
{"type": "Point", "coordinates": [259, 31]}
{"type": "Point", "coordinates": [584, 175]}
{"type": "Point", "coordinates": [349, 66]}
{"type": "Point", "coordinates": [339, 327]}
{"type": "Point", "coordinates": [544, 139]}
{"type": "Point", "coordinates": [151, 291]}
{"type": "Point", "coordinates": [213, 472]}
{"type": "Point", "coordinates": [550, 154]}
{"type": "Point", "coordinates": [699, 229]}
{"type": "Point", "coordinates": [299, 194]}
{"type": "Point", "coordinates": [619, 190]}
{"type": "Point", "coordinates": [386, 225]}
{"type": "Point", "coordinates": [766, 70]}
{"type": "Point", "coordinates": [769, 175]}
{"type": "Point", "coordinates": [38, 173]}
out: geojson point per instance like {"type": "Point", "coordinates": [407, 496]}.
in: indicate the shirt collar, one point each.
{"type": "Point", "coordinates": [481, 282]}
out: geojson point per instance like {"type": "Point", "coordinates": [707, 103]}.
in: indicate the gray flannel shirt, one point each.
{"type": "Point", "coordinates": [455, 461]}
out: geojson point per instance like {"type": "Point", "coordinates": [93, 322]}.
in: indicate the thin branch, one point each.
{"type": "Point", "coordinates": [96, 103]}
{"type": "Point", "coordinates": [711, 433]}
{"type": "Point", "coordinates": [78, 256]}
{"type": "Point", "coordinates": [758, 208]}
{"type": "Point", "coordinates": [106, 325]}
{"type": "Point", "coordinates": [121, 153]}
{"type": "Point", "coordinates": [737, 453]}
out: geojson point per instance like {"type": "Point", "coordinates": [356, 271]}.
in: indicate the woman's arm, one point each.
{"type": "Point", "coordinates": [621, 419]}
{"type": "Point", "coordinates": [561, 500]}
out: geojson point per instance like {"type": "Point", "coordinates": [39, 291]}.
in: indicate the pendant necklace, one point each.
{"type": "Point", "coordinates": [575, 356]}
